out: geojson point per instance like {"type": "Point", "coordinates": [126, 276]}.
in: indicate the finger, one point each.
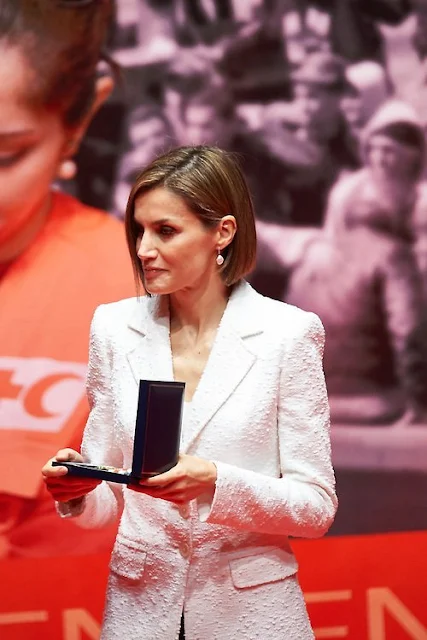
{"type": "Point", "coordinates": [156, 481]}
{"type": "Point", "coordinates": [70, 484]}
{"type": "Point", "coordinates": [68, 455]}
{"type": "Point", "coordinates": [155, 492]}
{"type": "Point", "coordinates": [163, 479]}
{"type": "Point", "coordinates": [49, 471]}
{"type": "Point", "coordinates": [71, 492]}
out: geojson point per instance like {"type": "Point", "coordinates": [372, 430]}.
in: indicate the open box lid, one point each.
{"type": "Point", "coordinates": [158, 427]}
{"type": "Point", "coordinates": [157, 436]}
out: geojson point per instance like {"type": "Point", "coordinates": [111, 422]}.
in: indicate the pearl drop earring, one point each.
{"type": "Point", "coordinates": [67, 170]}
{"type": "Point", "coordinates": [219, 259]}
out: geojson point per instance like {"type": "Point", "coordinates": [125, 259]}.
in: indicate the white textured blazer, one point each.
{"type": "Point", "coordinates": [260, 413]}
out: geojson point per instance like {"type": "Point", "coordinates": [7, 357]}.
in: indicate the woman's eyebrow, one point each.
{"type": "Point", "coordinates": [21, 133]}
{"type": "Point", "coordinates": [158, 221]}
{"type": "Point", "coordinates": [162, 221]}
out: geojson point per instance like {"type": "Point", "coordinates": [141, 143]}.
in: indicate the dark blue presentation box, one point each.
{"type": "Point", "coordinates": [157, 436]}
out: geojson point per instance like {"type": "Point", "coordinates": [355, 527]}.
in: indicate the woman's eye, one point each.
{"type": "Point", "coordinates": [9, 159]}
{"type": "Point", "coordinates": [166, 231]}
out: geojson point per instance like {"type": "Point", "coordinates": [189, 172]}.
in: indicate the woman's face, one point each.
{"type": "Point", "coordinates": [204, 125]}
{"type": "Point", "coordinates": [176, 250]}
{"type": "Point", "coordinates": [320, 109]}
{"type": "Point", "coordinates": [388, 158]}
{"type": "Point", "coordinates": [31, 147]}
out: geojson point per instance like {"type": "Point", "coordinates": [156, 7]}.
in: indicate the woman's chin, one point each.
{"type": "Point", "coordinates": [157, 289]}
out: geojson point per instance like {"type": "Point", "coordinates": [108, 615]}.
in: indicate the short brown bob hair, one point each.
{"type": "Point", "coordinates": [212, 185]}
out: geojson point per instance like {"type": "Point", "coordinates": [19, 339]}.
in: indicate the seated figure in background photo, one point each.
{"type": "Point", "coordinates": [361, 276]}
{"type": "Point", "coordinates": [365, 286]}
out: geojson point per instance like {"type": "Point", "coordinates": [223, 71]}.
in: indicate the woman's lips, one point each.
{"type": "Point", "coordinates": [151, 272]}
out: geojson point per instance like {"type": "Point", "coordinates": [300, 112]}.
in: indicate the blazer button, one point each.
{"type": "Point", "coordinates": [184, 549]}
{"type": "Point", "coordinates": [184, 511]}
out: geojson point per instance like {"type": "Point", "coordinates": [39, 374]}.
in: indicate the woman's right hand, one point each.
{"type": "Point", "coordinates": [61, 487]}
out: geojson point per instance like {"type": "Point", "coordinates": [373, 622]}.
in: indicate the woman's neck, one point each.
{"type": "Point", "coordinates": [21, 237]}
{"type": "Point", "coordinates": [199, 310]}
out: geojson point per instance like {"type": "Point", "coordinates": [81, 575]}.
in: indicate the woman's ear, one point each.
{"type": "Point", "coordinates": [227, 228]}
{"type": "Point", "coordinates": [103, 88]}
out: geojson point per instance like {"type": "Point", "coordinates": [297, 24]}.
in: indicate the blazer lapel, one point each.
{"type": "Point", "coordinates": [151, 357]}
{"type": "Point", "coordinates": [229, 362]}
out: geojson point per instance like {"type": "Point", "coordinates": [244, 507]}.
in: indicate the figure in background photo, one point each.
{"type": "Point", "coordinates": [392, 178]}
{"type": "Point", "coordinates": [283, 170]}
{"type": "Point", "coordinates": [366, 89]}
{"type": "Point", "coordinates": [198, 107]}
{"type": "Point", "coordinates": [156, 127]}
{"type": "Point", "coordinates": [247, 35]}
{"type": "Point", "coordinates": [203, 22]}
{"type": "Point", "coordinates": [291, 153]}
{"type": "Point", "coordinates": [366, 287]}
{"type": "Point", "coordinates": [254, 62]}
{"type": "Point", "coordinates": [361, 276]}
{"type": "Point", "coordinates": [318, 125]}
{"type": "Point", "coordinates": [305, 30]}
{"type": "Point", "coordinates": [148, 134]}
{"type": "Point", "coordinates": [58, 258]}
{"type": "Point", "coordinates": [191, 74]}
{"type": "Point", "coordinates": [208, 115]}
{"type": "Point", "coordinates": [348, 28]}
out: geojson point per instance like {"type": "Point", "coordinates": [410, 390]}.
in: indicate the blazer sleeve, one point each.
{"type": "Point", "coordinates": [103, 505]}
{"type": "Point", "coordinates": [302, 502]}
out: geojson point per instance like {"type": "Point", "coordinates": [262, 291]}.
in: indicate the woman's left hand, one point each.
{"type": "Point", "coordinates": [188, 479]}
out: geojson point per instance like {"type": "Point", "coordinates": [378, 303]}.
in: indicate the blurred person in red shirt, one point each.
{"type": "Point", "coordinates": [59, 259]}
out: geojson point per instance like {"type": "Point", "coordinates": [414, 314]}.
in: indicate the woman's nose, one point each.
{"type": "Point", "coordinates": [145, 247]}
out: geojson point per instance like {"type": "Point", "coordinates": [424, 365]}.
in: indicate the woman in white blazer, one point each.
{"type": "Point", "coordinates": [205, 544]}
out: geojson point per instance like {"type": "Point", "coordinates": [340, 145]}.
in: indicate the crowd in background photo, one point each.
{"type": "Point", "coordinates": [334, 154]}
